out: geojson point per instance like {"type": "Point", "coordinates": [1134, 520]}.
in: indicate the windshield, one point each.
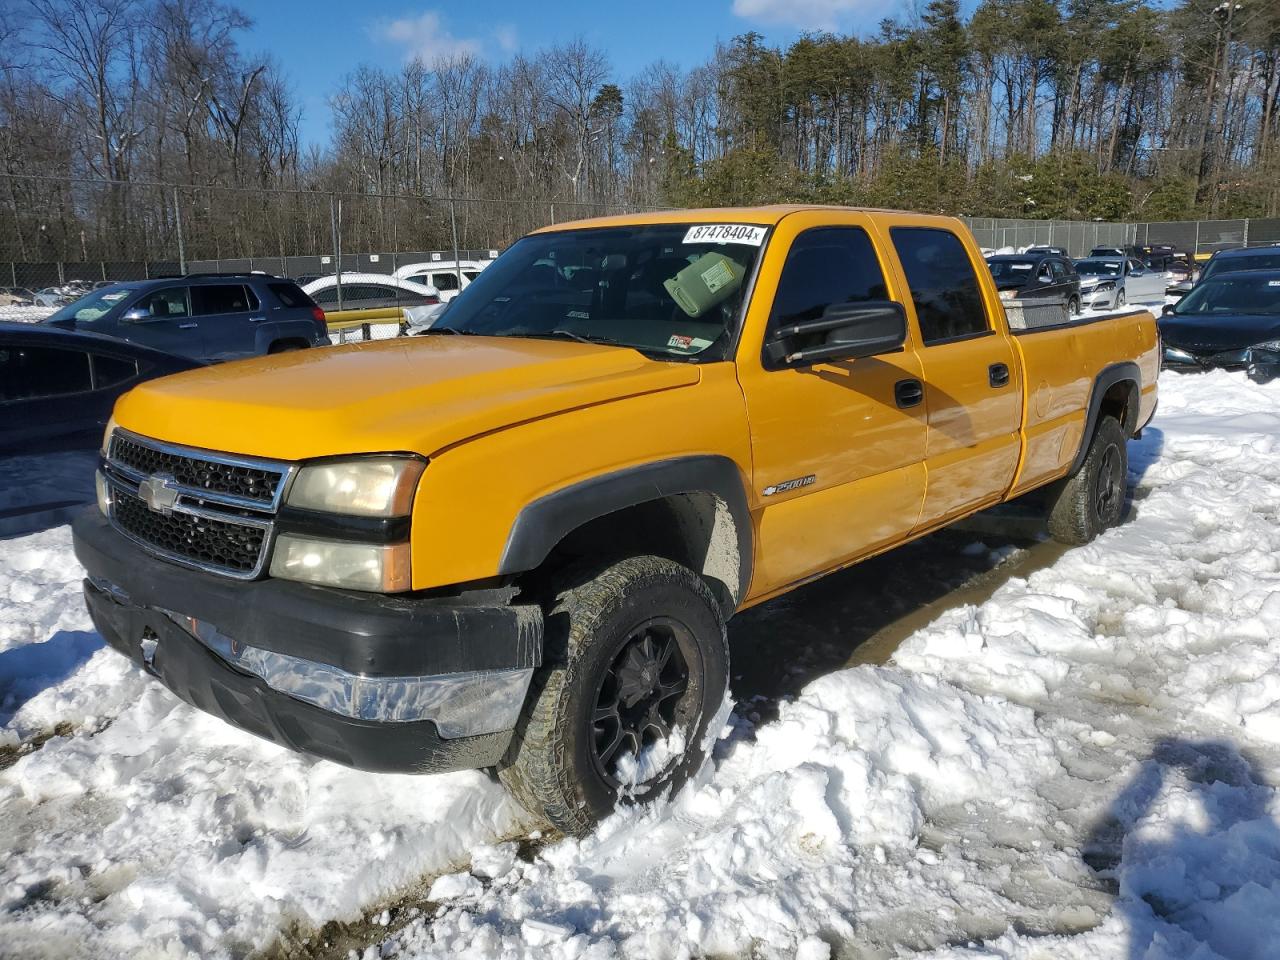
{"type": "Point", "coordinates": [91, 307]}
{"type": "Point", "coordinates": [671, 290]}
{"type": "Point", "coordinates": [1018, 270]}
{"type": "Point", "coordinates": [1232, 295]}
{"type": "Point", "coordinates": [1257, 261]}
{"type": "Point", "coordinates": [1098, 268]}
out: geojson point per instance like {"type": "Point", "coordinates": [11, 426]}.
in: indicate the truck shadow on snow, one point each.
{"type": "Point", "coordinates": [1192, 850]}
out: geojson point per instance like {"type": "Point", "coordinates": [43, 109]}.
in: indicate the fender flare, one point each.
{"type": "Point", "coordinates": [1126, 372]}
{"type": "Point", "coordinates": [544, 522]}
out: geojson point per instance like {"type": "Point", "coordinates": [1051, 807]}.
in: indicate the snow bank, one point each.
{"type": "Point", "coordinates": [1078, 767]}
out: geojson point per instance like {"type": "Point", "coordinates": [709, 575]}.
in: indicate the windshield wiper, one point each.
{"type": "Point", "coordinates": [572, 335]}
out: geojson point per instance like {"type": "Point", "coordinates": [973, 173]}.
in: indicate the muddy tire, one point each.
{"type": "Point", "coordinates": [1073, 307]}
{"type": "Point", "coordinates": [1092, 499]}
{"type": "Point", "coordinates": [632, 656]}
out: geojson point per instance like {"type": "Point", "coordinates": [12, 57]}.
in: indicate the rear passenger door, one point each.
{"type": "Point", "coordinates": [228, 314]}
{"type": "Point", "coordinates": [973, 392]}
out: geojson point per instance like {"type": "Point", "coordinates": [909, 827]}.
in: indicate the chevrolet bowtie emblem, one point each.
{"type": "Point", "coordinates": [159, 492]}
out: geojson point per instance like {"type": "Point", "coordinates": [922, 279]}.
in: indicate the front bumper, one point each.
{"type": "Point", "coordinates": [374, 682]}
{"type": "Point", "coordinates": [1176, 358]}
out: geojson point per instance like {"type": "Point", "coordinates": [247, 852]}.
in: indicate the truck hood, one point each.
{"type": "Point", "coordinates": [415, 394]}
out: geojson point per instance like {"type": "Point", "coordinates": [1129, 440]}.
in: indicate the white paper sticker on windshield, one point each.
{"type": "Point", "coordinates": [1273, 283]}
{"type": "Point", "coordinates": [726, 233]}
{"type": "Point", "coordinates": [718, 275]}
{"type": "Point", "coordinates": [1022, 266]}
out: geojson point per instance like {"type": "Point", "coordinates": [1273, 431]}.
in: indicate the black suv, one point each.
{"type": "Point", "coordinates": [203, 316]}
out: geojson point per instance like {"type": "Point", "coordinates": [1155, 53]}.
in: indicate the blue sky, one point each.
{"type": "Point", "coordinates": [319, 41]}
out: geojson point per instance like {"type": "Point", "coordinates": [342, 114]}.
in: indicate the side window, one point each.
{"type": "Point", "coordinates": [1044, 272]}
{"type": "Point", "coordinates": [470, 274]}
{"type": "Point", "coordinates": [943, 285]}
{"type": "Point", "coordinates": [422, 278]}
{"type": "Point", "coordinates": [1059, 269]}
{"type": "Point", "coordinates": [108, 371]}
{"type": "Point", "coordinates": [329, 295]}
{"type": "Point", "coordinates": [445, 281]}
{"type": "Point", "coordinates": [28, 372]}
{"type": "Point", "coordinates": [169, 302]}
{"type": "Point", "coordinates": [826, 266]}
{"type": "Point", "coordinates": [220, 298]}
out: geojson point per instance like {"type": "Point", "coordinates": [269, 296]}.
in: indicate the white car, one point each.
{"type": "Point", "coordinates": [376, 291]}
{"type": "Point", "coordinates": [443, 275]}
{"type": "Point", "coordinates": [1107, 283]}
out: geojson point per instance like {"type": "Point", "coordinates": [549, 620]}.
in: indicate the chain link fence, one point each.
{"type": "Point", "coordinates": [61, 236]}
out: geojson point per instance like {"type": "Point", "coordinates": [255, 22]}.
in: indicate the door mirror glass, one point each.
{"type": "Point", "coordinates": [845, 331]}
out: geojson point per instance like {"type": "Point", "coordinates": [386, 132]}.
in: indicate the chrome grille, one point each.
{"type": "Point", "coordinates": [217, 512]}
{"type": "Point", "coordinates": [227, 545]}
{"type": "Point", "coordinates": [237, 478]}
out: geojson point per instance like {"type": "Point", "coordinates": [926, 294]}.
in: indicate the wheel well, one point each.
{"type": "Point", "coordinates": [696, 530]}
{"type": "Point", "coordinates": [1121, 401]}
{"type": "Point", "coordinates": [287, 343]}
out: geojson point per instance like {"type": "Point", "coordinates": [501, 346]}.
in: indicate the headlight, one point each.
{"type": "Point", "coordinates": [1104, 287]}
{"type": "Point", "coordinates": [1271, 346]}
{"type": "Point", "coordinates": [106, 435]}
{"type": "Point", "coordinates": [355, 566]}
{"type": "Point", "coordinates": [366, 487]}
{"type": "Point", "coordinates": [100, 487]}
{"type": "Point", "coordinates": [1173, 353]}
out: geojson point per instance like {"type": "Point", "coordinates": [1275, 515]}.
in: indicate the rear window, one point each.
{"type": "Point", "coordinates": [944, 287]}
{"type": "Point", "coordinates": [1257, 261]}
{"type": "Point", "coordinates": [289, 294]}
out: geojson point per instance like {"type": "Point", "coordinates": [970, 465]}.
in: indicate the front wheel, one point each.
{"type": "Point", "coordinates": [1073, 306]}
{"type": "Point", "coordinates": [1120, 299]}
{"type": "Point", "coordinates": [636, 665]}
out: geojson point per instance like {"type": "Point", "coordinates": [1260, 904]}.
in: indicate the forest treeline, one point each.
{"type": "Point", "coordinates": [1072, 109]}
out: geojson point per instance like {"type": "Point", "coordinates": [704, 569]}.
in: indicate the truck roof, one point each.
{"type": "Point", "coordinates": [767, 215]}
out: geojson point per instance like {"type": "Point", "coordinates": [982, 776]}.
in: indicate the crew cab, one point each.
{"type": "Point", "coordinates": [515, 540]}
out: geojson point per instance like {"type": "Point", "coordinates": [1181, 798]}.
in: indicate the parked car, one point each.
{"type": "Point", "coordinates": [1248, 258]}
{"type": "Point", "coordinates": [16, 297]}
{"type": "Point", "coordinates": [1106, 252]}
{"type": "Point", "coordinates": [57, 387]}
{"type": "Point", "coordinates": [1031, 276]}
{"type": "Point", "coordinates": [1047, 251]}
{"type": "Point", "coordinates": [372, 297]}
{"type": "Point", "coordinates": [52, 297]}
{"type": "Point", "coordinates": [205, 316]}
{"type": "Point", "coordinates": [443, 275]}
{"type": "Point", "coordinates": [1107, 283]}
{"type": "Point", "coordinates": [515, 541]}
{"type": "Point", "coordinates": [1231, 320]}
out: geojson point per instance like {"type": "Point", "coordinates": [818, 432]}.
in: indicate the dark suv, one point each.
{"type": "Point", "coordinates": [206, 317]}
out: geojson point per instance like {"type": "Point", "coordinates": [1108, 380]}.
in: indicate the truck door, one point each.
{"type": "Point", "coordinates": [973, 391]}
{"type": "Point", "coordinates": [837, 448]}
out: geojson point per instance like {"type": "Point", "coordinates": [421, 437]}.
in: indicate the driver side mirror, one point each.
{"type": "Point", "coordinates": [845, 331]}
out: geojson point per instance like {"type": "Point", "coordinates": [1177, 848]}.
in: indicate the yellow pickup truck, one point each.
{"type": "Point", "coordinates": [515, 540]}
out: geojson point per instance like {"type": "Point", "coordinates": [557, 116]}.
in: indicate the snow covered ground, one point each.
{"type": "Point", "coordinates": [1080, 766]}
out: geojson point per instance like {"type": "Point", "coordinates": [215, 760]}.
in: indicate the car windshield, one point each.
{"type": "Point", "coordinates": [1257, 261]}
{"type": "Point", "coordinates": [1012, 269]}
{"type": "Point", "coordinates": [670, 290]}
{"type": "Point", "coordinates": [92, 306]}
{"type": "Point", "coordinates": [1098, 268]}
{"type": "Point", "coordinates": [1234, 294]}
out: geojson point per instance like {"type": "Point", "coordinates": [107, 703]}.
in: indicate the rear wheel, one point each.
{"type": "Point", "coordinates": [1073, 306]}
{"type": "Point", "coordinates": [1092, 499]}
{"type": "Point", "coordinates": [636, 665]}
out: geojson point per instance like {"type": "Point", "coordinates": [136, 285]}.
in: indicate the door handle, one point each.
{"type": "Point", "coordinates": [998, 375]}
{"type": "Point", "coordinates": [187, 326]}
{"type": "Point", "coordinates": [256, 319]}
{"type": "Point", "coordinates": [908, 393]}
